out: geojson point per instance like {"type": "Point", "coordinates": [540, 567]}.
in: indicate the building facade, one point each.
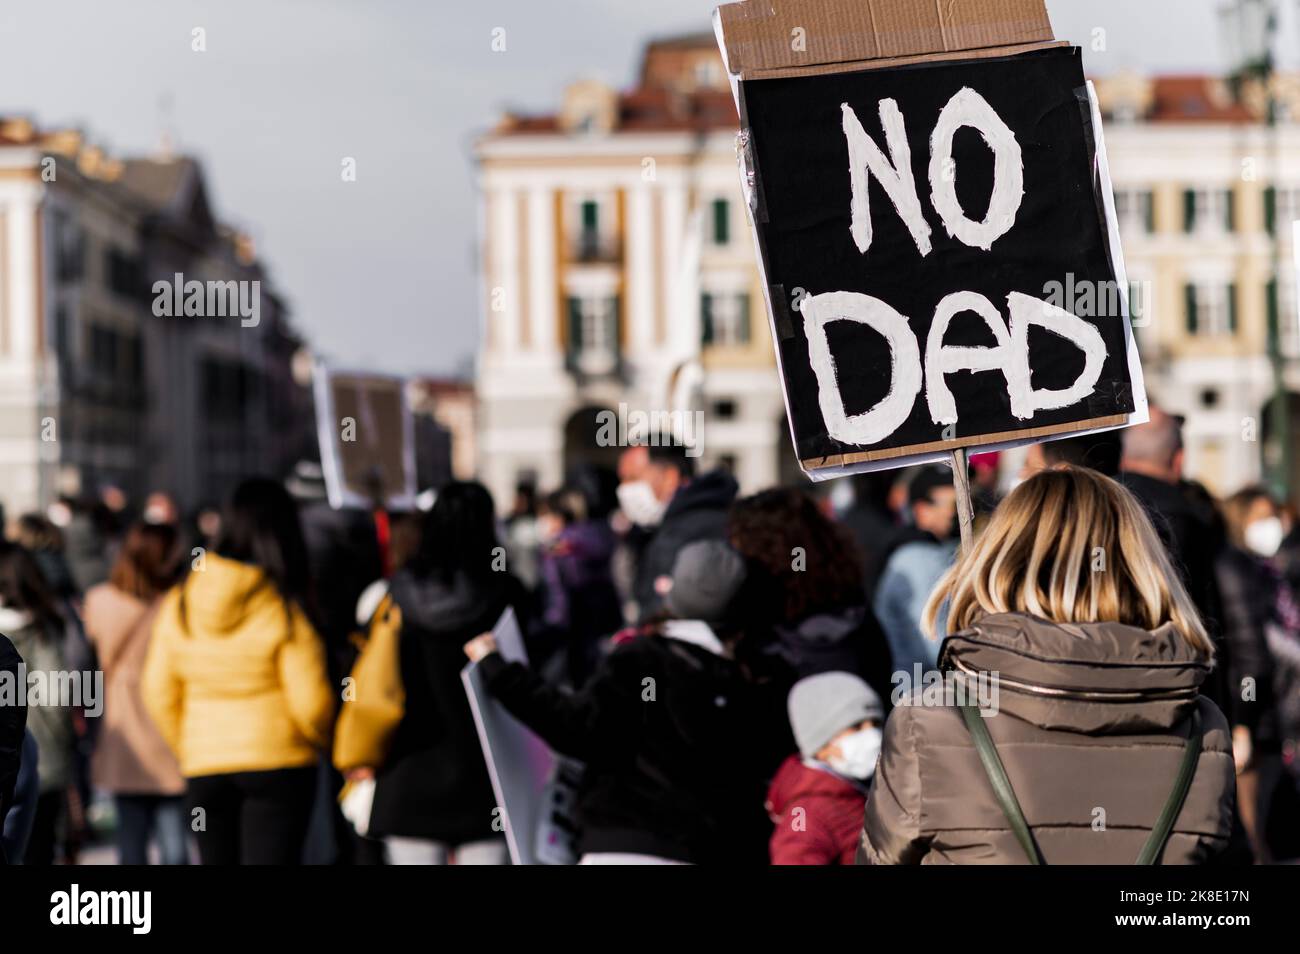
{"type": "Point", "coordinates": [618, 275]}
{"type": "Point", "coordinates": [95, 388]}
{"type": "Point", "coordinates": [618, 268]}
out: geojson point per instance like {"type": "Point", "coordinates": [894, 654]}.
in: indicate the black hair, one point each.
{"type": "Point", "coordinates": [1101, 452]}
{"type": "Point", "coordinates": [459, 534]}
{"type": "Point", "coordinates": [671, 453]}
{"type": "Point", "coordinates": [260, 527]}
{"type": "Point", "coordinates": [24, 587]}
{"type": "Point", "coordinates": [926, 482]}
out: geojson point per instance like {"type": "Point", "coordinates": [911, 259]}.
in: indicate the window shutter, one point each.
{"type": "Point", "coordinates": [575, 325]}
{"type": "Point", "coordinates": [1149, 211]}
{"type": "Point", "coordinates": [1189, 210]}
{"type": "Point", "coordinates": [744, 319]}
{"type": "Point", "coordinates": [1232, 308]}
{"type": "Point", "coordinates": [706, 319]}
{"type": "Point", "coordinates": [1270, 210]}
{"type": "Point", "coordinates": [1273, 326]}
{"type": "Point", "coordinates": [721, 222]}
{"type": "Point", "coordinates": [1230, 209]}
{"type": "Point", "coordinates": [1189, 295]}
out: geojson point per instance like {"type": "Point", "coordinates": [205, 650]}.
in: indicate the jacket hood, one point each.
{"type": "Point", "coordinates": [714, 490]}
{"type": "Point", "coordinates": [220, 597]}
{"type": "Point", "coordinates": [795, 782]}
{"type": "Point", "coordinates": [828, 629]}
{"type": "Point", "coordinates": [439, 606]}
{"type": "Point", "coordinates": [1087, 677]}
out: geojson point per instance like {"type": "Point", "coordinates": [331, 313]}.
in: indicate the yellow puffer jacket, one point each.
{"type": "Point", "coordinates": [241, 685]}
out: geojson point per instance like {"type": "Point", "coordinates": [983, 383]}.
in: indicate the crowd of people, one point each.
{"type": "Point", "coordinates": [739, 678]}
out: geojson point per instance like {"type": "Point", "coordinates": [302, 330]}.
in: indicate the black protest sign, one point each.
{"type": "Point", "coordinates": [917, 226]}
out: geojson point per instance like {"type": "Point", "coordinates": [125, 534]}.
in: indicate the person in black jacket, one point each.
{"type": "Point", "coordinates": [678, 736]}
{"type": "Point", "coordinates": [1258, 607]}
{"type": "Point", "coordinates": [433, 799]}
{"type": "Point", "coordinates": [13, 721]}
{"type": "Point", "coordinates": [1186, 522]}
{"type": "Point", "coordinates": [680, 506]}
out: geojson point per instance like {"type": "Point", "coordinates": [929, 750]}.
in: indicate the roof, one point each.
{"type": "Point", "coordinates": [670, 97]}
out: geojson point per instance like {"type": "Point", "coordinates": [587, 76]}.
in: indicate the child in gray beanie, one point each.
{"type": "Point", "coordinates": [818, 797]}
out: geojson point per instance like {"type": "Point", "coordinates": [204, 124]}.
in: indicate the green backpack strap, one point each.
{"type": "Point", "coordinates": [1165, 823]}
{"type": "Point", "coordinates": [1002, 789]}
{"type": "Point", "coordinates": [1006, 796]}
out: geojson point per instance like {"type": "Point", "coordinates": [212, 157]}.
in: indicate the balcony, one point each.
{"type": "Point", "coordinates": [591, 248]}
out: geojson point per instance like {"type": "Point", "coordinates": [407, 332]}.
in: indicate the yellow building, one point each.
{"type": "Point", "coordinates": [1206, 193]}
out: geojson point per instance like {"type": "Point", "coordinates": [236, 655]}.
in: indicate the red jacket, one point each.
{"type": "Point", "coordinates": [818, 815]}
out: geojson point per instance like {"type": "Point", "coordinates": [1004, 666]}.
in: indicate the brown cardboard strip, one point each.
{"type": "Point", "coordinates": [988, 53]}
{"type": "Point", "coordinates": [862, 457]}
{"type": "Point", "coordinates": [765, 37]}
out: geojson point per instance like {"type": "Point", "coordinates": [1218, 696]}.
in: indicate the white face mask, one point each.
{"type": "Point", "coordinates": [636, 498]}
{"type": "Point", "coordinates": [858, 754]}
{"type": "Point", "coordinates": [1264, 537]}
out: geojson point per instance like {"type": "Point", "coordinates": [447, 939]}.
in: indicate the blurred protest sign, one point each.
{"type": "Point", "coordinates": [928, 189]}
{"type": "Point", "coordinates": [366, 434]}
{"type": "Point", "coordinates": [533, 785]}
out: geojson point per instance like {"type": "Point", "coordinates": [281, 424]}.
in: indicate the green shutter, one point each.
{"type": "Point", "coordinates": [1189, 210]}
{"type": "Point", "coordinates": [575, 325]}
{"type": "Point", "coordinates": [1230, 209]}
{"type": "Point", "coordinates": [1272, 315]}
{"type": "Point", "coordinates": [1232, 308]}
{"type": "Point", "coordinates": [1149, 211]}
{"type": "Point", "coordinates": [590, 217]}
{"type": "Point", "coordinates": [721, 222]}
{"type": "Point", "coordinates": [1270, 210]}
{"type": "Point", "coordinates": [744, 319]}
{"type": "Point", "coordinates": [706, 319]}
{"type": "Point", "coordinates": [1189, 295]}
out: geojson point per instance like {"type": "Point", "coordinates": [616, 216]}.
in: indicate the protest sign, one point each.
{"type": "Point", "coordinates": [533, 786]}
{"type": "Point", "coordinates": [367, 439]}
{"type": "Point", "coordinates": [928, 189]}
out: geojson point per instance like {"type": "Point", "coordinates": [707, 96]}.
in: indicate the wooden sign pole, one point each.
{"type": "Point", "coordinates": [965, 510]}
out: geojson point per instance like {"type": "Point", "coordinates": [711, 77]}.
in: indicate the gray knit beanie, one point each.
{"type": "Point", "coordinates": [826, 704]}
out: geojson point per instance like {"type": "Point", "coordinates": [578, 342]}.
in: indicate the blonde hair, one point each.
{"type": "Point", "coordinates": [1068, 545]}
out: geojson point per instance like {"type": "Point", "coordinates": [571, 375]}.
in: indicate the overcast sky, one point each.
{"type": "Point", "coordinates": [379, 272]}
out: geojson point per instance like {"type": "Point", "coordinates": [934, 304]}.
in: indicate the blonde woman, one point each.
{"type": "Point", "coordinates": [1101, 749]}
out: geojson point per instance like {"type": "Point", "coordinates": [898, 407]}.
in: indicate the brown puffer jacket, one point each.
{"type": "Point", "coordinates": [1090, 717]}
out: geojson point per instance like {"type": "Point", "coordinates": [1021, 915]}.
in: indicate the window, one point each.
{"type": "Point", "coordinates": [1281, 208]}
{"type": "Point", "coordinates": [593, 334]}
{"type": "Point", "coordinates": [724, 409]}
{"type": "Point", "coordinates": [724, 319]}
{"type": "Point", "coordinates": [1283, 322]}
{"type": "Point", "coordinates": [1211, 308]}
{"type": "Point", "coordinates": [124, 276]}
{"type": "Point", "coordinates": [1135, 210]}
{"type": "Point", "coordinates": [1209, 210]}
{"type": "Point", "coordinates": [589, 237]}
{"type": "Point", "coordinates": [721, 222]}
